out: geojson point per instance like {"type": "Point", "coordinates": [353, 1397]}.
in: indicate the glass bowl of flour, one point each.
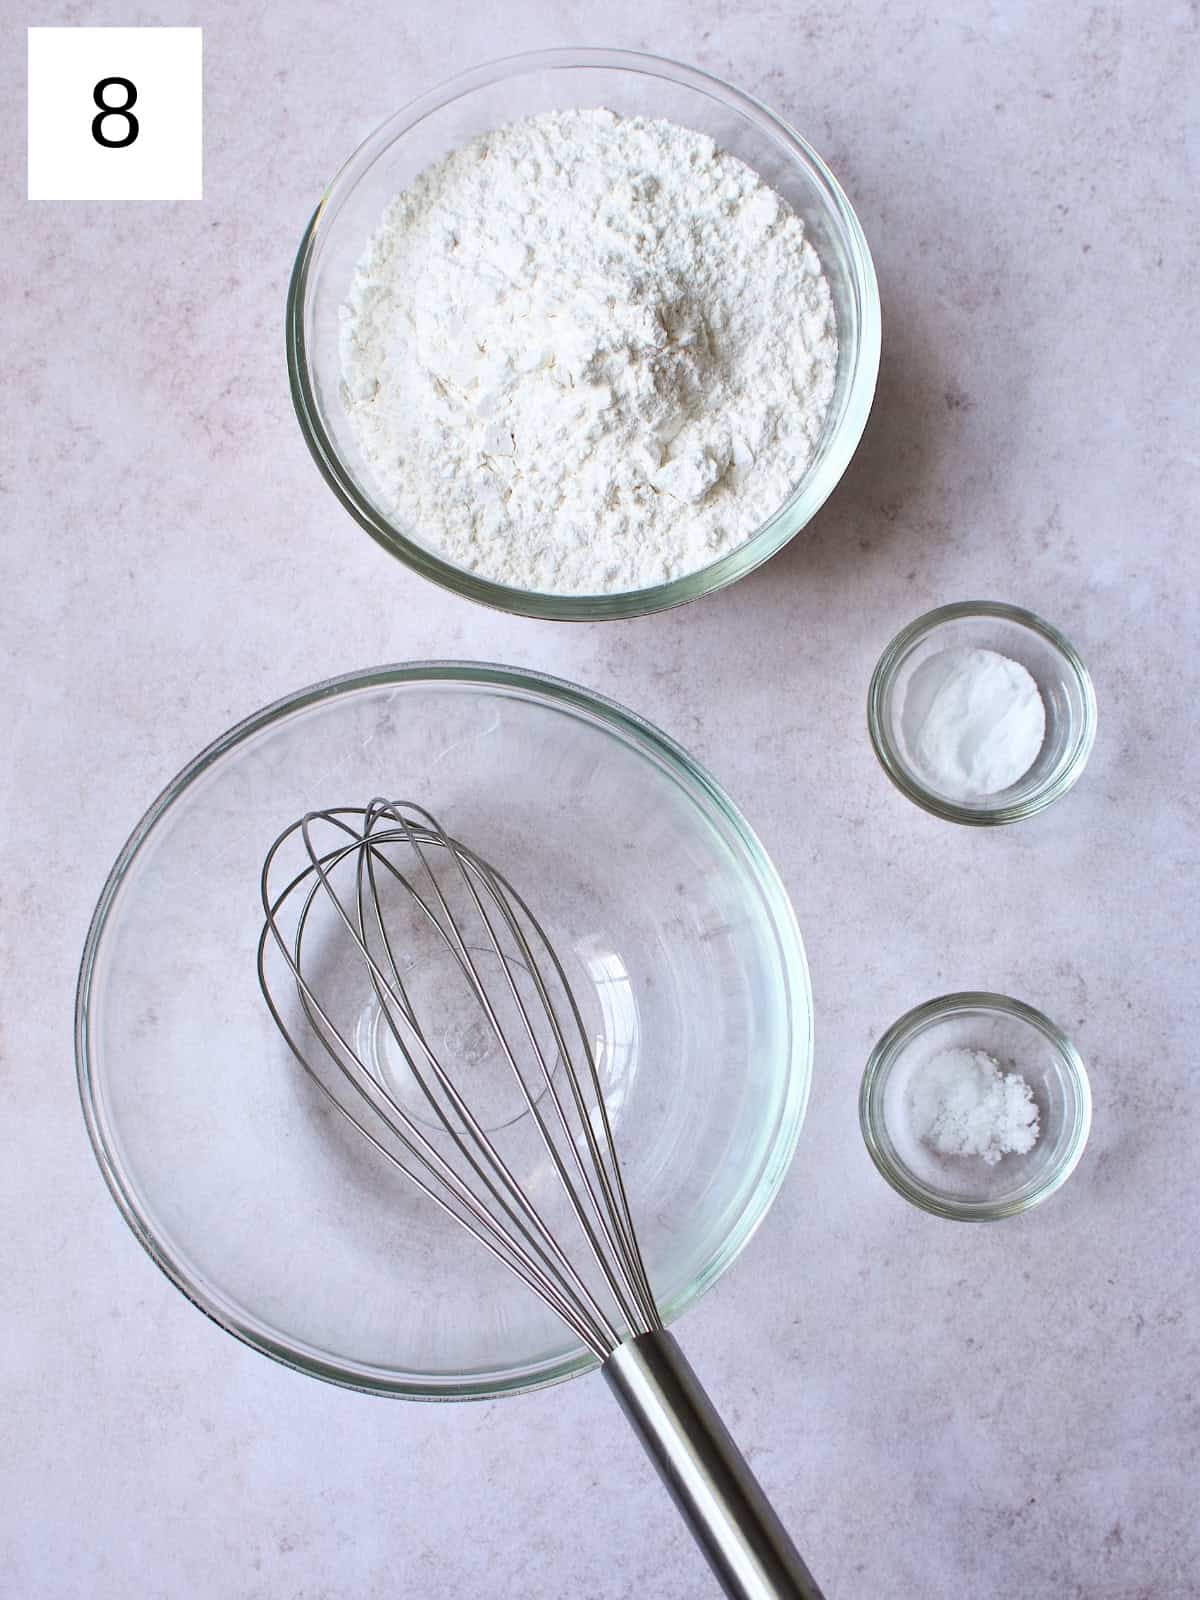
{"type": "Point", "coordinates": [975, 1106]}
{"type": "Point", "coordinates": [583, 334]}
{"type": "Point", "coordinates": [982, 713]}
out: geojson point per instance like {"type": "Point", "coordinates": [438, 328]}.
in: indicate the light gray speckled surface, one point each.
{"type": "Point", "coordinates": [940, 1411]}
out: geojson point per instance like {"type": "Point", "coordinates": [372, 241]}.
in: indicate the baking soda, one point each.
{"type": "Point", "coordinates": [973, 722]}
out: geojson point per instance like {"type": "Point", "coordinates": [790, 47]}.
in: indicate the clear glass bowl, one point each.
{"type": "Point", "coordinates": [628, 83]}
{"type": "Point", "coordinates": [678, 940]}
{"type": "Point", "coordinates": [1021, 1040]}
{"type": "Point", "coordinates": [1062, 680]}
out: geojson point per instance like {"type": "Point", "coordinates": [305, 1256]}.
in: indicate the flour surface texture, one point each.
{"type": "Point", "coordinates": [587, 353]}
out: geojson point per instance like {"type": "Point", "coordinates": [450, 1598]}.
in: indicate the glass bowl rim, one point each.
{"type": "Point", "coordinates": [899, 771]}
{"type": "Point", "coordinates": [887, 1051]}
{"type": "Point", "coordinates": [796, 999]}
{"type": "Point", "coordinates": [771, 536]}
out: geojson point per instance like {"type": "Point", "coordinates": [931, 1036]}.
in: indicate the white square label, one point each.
{"type": "Point", "coordinates": [115, 114]}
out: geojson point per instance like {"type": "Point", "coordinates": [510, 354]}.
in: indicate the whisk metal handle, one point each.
{"type": "Point", "coordinates": [730, 1517]}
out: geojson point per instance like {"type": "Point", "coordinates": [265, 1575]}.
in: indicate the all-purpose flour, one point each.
{"type": "Point", "coordinates": [587, 353]}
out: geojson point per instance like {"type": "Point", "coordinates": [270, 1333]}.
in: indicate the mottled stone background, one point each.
{"type": "Point", "coordinates": [939, 1411]}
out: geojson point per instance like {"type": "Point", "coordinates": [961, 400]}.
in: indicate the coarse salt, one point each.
{"type": "Point", "coordinates": [962, 1104]}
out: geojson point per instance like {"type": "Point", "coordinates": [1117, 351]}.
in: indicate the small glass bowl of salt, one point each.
{"type": "Point", "coordinates": [981, 713]}
{"type": "Point", "coordinates": [975, 1106]}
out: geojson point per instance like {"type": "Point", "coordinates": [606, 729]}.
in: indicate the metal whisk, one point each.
{"type": "Point", "coordinates": [387, 883]}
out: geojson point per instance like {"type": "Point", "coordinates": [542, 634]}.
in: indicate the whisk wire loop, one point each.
{"type": "Point", "coordinates": [470, 1179]}
{"type": "Point", "coordinates": [535, 1266]}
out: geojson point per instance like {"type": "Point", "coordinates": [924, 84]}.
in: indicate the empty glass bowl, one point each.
{"type": "Point", "coordinates": [1062, 680]}
{"type": "Point", "coordinates": [628, 83]}
{"type": "Point", "coordinates": [1019, 1039]}
{"type": "Point", "coordinates": [678, 941]}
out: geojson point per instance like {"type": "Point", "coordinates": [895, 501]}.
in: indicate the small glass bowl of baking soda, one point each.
{"type": "Point", "coordinates": [981, 713]}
